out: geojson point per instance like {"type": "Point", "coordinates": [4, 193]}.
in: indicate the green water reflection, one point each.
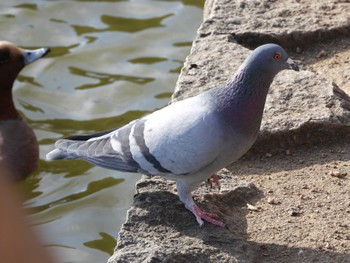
{"type": "Point", "coordinates": [91, 188]}
{"type": "Point", "coordinates": [67, 127]}
{"type": "Point", "coordinates": [122, 24]}
{"type": "Point", "coordinates": [107, 243]}
{"type": "Point", "coordinates": [29, 6]}
{"type": "Point", "coordinates": [104, 79]}
{"type": "Point", "coordinates": [111, 62]}
{"type": "Point", "coordinates": [147, 60]}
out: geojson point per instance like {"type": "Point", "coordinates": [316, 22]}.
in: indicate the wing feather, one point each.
{"type": "Point", "coordinates": [184, 138]}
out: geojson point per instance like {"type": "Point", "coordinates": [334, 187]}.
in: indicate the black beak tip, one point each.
{"type": "Point", "coordinates": [295, 67]}
{"type": "Point", "coordinates": [47, 50]}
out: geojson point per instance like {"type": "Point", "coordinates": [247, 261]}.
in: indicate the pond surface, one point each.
{"type": "Point", "coordinates": [111, 62]}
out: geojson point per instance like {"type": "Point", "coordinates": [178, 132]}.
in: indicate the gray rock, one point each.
{"type": "Point", "coordinates": [302, 107]}
{"type": "Point", "coordinates": [212, 61]}
{"type": "Point", "coordinates": [159, 229]}
{"type": "Point", "coordinates": [290, 23]}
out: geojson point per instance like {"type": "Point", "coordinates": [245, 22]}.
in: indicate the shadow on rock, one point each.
{"type": "Point", "coordinates": [160, 229]}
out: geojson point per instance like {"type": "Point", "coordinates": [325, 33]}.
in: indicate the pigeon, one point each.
{"type": "Point", "coordinates": [192, 139]}
{"type": "Point", "coordinates": [19, 151]}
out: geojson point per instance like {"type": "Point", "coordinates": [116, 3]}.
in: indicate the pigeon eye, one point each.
{"type": "Point", "coordinates": [277, 56]}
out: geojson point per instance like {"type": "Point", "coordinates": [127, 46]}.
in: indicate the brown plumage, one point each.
{"type": "Point", "coordinates": [19, 150]}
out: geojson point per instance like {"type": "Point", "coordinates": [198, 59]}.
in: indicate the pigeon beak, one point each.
{"type": "Point", "coordinates": [292, 64]}
{"type": "Point", "coordinates": [32, 55]}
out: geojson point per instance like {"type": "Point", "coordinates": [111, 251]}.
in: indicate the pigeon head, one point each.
{"type": "Point", "coordinates": [270, 58]}
{"type": "Point", "coordinates": [244, 97]}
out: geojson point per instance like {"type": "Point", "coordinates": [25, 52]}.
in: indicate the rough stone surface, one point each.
{"type": "Point", "coordinates": [303, 141]}
{"type": "Point", "coordinates": [290, 23]}
{"type": "Point", "coordinates": [155, 216]}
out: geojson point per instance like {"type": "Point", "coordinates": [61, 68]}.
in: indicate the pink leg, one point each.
{"type": "Point", "coordinates": [186, 197]}
{"type": "Point", "coordinates": [214, 179]}
{"type": "Point", "coordinates": [211, 218]}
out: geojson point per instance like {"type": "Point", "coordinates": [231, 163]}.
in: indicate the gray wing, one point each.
{"type": "Point", "coordinates": [179, 139]}
{"type": "Point", "coordinates": [182, 138]}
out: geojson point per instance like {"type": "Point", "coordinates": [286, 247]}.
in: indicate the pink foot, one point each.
{"type": "Point", "coordinates": [211, 218]}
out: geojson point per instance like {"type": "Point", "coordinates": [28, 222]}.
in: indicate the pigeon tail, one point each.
{"type": "Point", "coordinates": [98, 152]}
{"type": "Point", "coordinates": [67, 148]}
{"type": "Point", "coordinates": [56, 155]}
{"type": "Point", "coordinates": [62, 152]}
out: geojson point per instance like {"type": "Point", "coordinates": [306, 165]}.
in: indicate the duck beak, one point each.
{"type": "Point", "coordinates": [32, 55]}
{"type": "Point", "coordinates": [292, 64]}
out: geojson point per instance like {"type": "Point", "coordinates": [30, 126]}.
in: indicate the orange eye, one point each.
{"type": "Point", "coordinates": [277, 56]}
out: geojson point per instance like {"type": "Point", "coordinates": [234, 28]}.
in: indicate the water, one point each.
{"type": "Point", "coordinates": [111, 62]}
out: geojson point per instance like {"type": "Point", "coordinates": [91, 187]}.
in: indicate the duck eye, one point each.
{"type": "Point", "coordinates": [4, 56]}
{"type": "Point", "coordinates": [277, 56]}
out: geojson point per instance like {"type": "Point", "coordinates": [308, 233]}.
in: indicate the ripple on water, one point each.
{"type": "Point", "coordinates": [111, 62]}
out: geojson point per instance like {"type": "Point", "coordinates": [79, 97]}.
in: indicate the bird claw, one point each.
{"type": "Point", "coordinates": [214, 180]}
{"type": "Point", "coordinates": [209, 217]}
